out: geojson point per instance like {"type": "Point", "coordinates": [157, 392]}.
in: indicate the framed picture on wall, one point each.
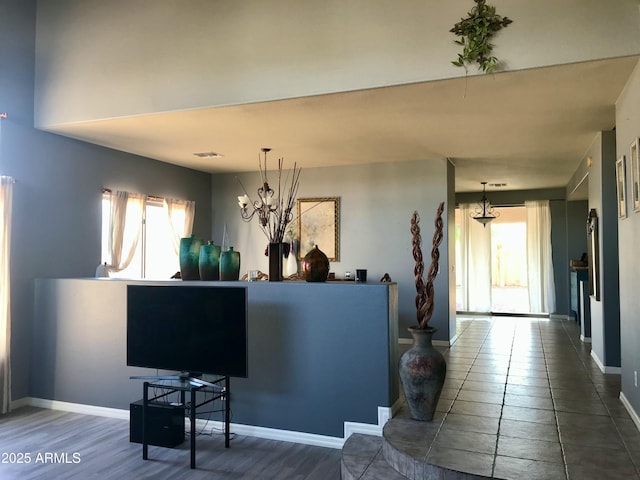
{"type": "Point", "coordinates": [318, 221]}
{"type": "Point", "coordinates": [593, 258]}
{"type": "Point", "coordinates": [621, 187]}
{"type": "Point", "coordinates": [635, 173]}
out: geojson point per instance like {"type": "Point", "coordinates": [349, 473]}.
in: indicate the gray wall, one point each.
{"type": "Point", "coordinates": [560, 218]}
{"type": "Point", "coordinates": [605, 312]}
{"type": "Point", "coordinates": [450, 225]}
{"type": "Point", "coordinates": [376, 203]}
{"type": "Point", "coordinates": [577, 212]}
{"type": "Point", "coordinates": [319, 354]}
{"type": "Point", "coordinates": [57, 195]}
{"type": "Point", "coordinates": [627, 130]}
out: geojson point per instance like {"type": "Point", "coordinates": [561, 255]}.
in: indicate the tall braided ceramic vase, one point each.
{"type": "Point", "coordinates": [422, 372]}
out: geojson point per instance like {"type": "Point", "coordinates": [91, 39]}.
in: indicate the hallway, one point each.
{"type": "Point", "coordinates": [522, 399]}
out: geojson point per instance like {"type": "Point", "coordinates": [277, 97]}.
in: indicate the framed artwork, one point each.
{"type": "Point", "coordinates": [620, 188]}
{"type": "Point", "coordinates": [593, 254]}
{"type": "Point", "coordinates": [635, 173]}
{"type": "Point", "coordinates": [318, 224]}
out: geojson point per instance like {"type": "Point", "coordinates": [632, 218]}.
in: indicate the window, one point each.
{"type": "Point", "coordinates": [155, 255]}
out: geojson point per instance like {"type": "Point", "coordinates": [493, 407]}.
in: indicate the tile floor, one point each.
{"type": "Point", "coordinates": [524, 399]}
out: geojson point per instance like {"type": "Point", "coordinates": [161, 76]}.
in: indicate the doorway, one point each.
{"type": "Point", "coordinates": [506, 262]}
{"type": "Point", "coordinates": [509, 290]}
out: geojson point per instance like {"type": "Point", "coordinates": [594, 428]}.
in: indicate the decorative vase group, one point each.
{"type": "Point", "coordinates": [422, 371]}
{"type": "Point", "coordinates": [207, 262]}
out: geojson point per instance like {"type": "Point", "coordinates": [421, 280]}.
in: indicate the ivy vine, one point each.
{"type": "Point", "coordinates": [476, 31]}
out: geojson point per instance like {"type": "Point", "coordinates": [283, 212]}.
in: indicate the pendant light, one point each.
{"type": "Point", "coordinates": [484, 213]}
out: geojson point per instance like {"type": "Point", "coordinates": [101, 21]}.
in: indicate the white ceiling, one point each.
{"type": "Point", "coordinates": [528, 129]}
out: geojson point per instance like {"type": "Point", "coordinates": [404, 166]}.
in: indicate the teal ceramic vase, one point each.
{"type": "Point", "coordinates": [209, 263]}
{"type": "Point", "coordinates": [190, 257]}
{"type": "Point", "coordinates": [230, 265]}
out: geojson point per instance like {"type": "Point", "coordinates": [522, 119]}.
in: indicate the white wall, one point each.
{"type": "Point", "coordinates": [628, 129]}
{"type": "Point", "coordinates": [376, 203]}
{"type": "Point", "coordinates": [595, 199]}
{"type": "Point", "coordinates": [605, 311]}
{"type": "Point", "coordinates": [149, 56]}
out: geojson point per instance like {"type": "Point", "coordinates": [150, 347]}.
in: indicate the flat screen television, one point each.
{"type": "Point", "coordinates": [185, 328]}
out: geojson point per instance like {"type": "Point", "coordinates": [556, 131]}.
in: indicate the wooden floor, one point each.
{"type": "Point", "coordinates": [99, 448]}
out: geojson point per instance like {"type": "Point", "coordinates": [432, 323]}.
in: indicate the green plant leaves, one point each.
{"type": "Point", "coordinates": [476, 31]}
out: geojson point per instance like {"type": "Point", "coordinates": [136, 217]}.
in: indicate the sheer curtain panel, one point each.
{"type": "Point", "coordinates": [6, 196]}
{"type": "Point", "coordinates": [127, 213]}
{"type": "Point", "coordinates": [542, 298]}
{"type": "Point", "coordinates": [180, 214]}
{"type": "Point", "coordinates": [475, 254]}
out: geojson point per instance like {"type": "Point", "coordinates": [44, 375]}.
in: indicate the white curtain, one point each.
{"type": "Point", "coordinates": [542, 298]}
{"type": "Point", "coordinates": [6, 195]}
{"type": "Point", "coordinates": [180, 214]}
{"type": "Point", "coordinates": [475, 269]}
{"type": "Point", "coordinates": [127, 212]}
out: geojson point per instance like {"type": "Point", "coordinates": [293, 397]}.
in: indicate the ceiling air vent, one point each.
{"type": "Point", "coordinates": [208, 155]}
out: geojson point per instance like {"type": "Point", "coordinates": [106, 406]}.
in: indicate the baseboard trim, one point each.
{"type": "Point", "coordinates": [630, 410]}
{"type": "Point", "coordinates": [79, 408]}
{"type": "Point", "coordinates": [384, 414]}
{"type": "Point", "coordinates": [21, 402]}
{"type": "Point", "coordinates": [584, 339]}
{"type": "Point", "coordinates": [604, 368]}
{"type": "Point", "coordinates": [283, 435]}
{"type": "Point", "coordinates": [437, 343]}
{"type": "Point", "coordinates": [557, 316]}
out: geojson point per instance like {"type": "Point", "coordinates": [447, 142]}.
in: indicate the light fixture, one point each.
{"type": "Point", "coordinates": [273, 209]}
{"type": "Point", "coordinates": [484, 213]}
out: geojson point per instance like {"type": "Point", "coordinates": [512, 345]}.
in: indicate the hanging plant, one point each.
{"type": "Point", "coordinates": [476, 31]}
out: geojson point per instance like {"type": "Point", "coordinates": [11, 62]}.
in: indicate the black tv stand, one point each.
{"type": "Point", "coordinates": [168, 384]}
{"type": "Point", "coordinates": [187, 378]}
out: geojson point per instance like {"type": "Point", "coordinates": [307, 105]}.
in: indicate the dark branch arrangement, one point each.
{"type": "Point", "coordinates": [273, 209]}
{"type": "Point", "coordinates": [425, 291]}
{"type": "Point", "coordinates": [476, 32]}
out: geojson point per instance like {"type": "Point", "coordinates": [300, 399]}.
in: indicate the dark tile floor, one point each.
{"type": "Point", "coordinates": [523, 399]}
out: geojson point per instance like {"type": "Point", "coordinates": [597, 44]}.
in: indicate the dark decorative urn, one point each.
{"type": "Point", "coordinates": [315, 266]}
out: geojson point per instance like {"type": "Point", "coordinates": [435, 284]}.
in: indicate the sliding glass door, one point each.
{"type": "Point", "coordinates": [492, 260]}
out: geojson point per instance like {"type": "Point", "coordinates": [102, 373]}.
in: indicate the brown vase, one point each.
{"type": "Point", "coordinates": [315, 266]}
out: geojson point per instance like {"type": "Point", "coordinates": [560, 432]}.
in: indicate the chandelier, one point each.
{"type": "Point", "coordinates": [273, 209]}
{"type": "Point", "coordinates": [485, 212]}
